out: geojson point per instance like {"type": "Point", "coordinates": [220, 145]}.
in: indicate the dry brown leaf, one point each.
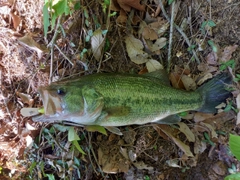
{"type": "Point", "coordinates": [149, 33]}
{"type": "Point", "coordinates": [204, 79]}
{"type": "Point", "coordinates": [185, 130]}
{"type": "Point", "coordinates": [211, 129]}
{"type": "Point", "coordinates": [199, 146]}
{"type": "Point", "coordinates": [135, 50]}
{"type": "Point", "coordinates": [97, 43]}
{"type": "Point", "coordinates": [227, 53]}
{"type": "Point", "coordinates": [122, 18]}
{"type": "Point", "coordinates": [159, 26]}
{"type": "Point", "coordinates": [176, 80]}
{"type": "Point", "coordinates": [199, 116]}
{"type": "Point", "coordinates": [141, 165]}
{"type": "Point", "coordinates": [206, 68]}
{"type": "Point", "coordinates": [153, 65]}
{"type": "Point", "coordinates": [185, 148]}
{"type": "Point", "coordinates": [128, 4]}
{"type": "Point", "coordinates": [114, 6]}
{"type": "Point", "coordinates": [16, 20]}
{"type": "Point", "coordinates": [212, 58]}
{"type": "Point", "coordinates": [29, 42]}
{"type": "Point", "coordinates": [26, 98]}
{"type": "Point", "coordinates": [188, 83]}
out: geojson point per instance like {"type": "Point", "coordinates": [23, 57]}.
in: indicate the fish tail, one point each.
{"type": "Point", "coordinates": [214, 92]}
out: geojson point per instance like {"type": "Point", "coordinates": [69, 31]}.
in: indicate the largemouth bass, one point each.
{"type": "Point", "coordinates": [125, 99]}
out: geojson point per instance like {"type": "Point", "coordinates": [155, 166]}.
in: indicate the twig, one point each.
{"type": "Point", "coordinates": [51, 44]}
{"type": "Point", "coordinates": [170, 39]}
{"type": "Point", "coordinates": [64, 55]}
{"type": "Point", "coordinates": [180, 31]}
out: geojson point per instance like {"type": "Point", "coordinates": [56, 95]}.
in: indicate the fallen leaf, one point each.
{"type": "Point", "coordinates": [199, 116]}
{"type": "Point", "coordinates": [211, 129]}
{"type": "Point", "coordinates": [206, 68]}
{"type": "Point", "coordinates": [227, 53]}
{"type": "Point", "coordinates": [29, 141]}
{"type": "Point", "coordinates": [185, 148]}
{"type": "Point", "coordinates": [199, 146]}
{"type": "Point", "coordinates": [26, 98]}
{"type": "Point", "coordinates": [204, 79]}
{"type": "Point", "coordinates": [153, 65]}
{"type": "Point", "coordinates": [97, 43]}
{"type": "Point", "coordinates": [160, 26]}
{"type": "Point", "coordinates": [176, 80]}
{"type": "Point", "coordinates": [28, 112]}
{"type": "Point", "coordinates": [128, 4]}
{"type": "Point", "coordinates": [173, 163]}
{"type": "Point", "coordinates": [122, 18]}
{"type": "Point", "coordinates": [159, 44]}
{"type": "Point", "coordinates": [212, 58]}
{"type": "Point", "coordinates": [149, 33]}
{"type": "Point", "coordinates": [185, 130]}
{"type": "Point", "coordinates": [16, 20]}
{"type": "Point", "coordinates": [96, 128]}
{"type": "Point", "coordinates": [135, 50]}
{"type": "Point", "coordinates": [188, 83]}
{"type": "Point", "coordinates": [141, 165]}
{"type": "Point", "coordinates": [28, 41]}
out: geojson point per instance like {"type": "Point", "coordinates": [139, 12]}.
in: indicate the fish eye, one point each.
{"type": "Point", "coordinates": [60, 92]}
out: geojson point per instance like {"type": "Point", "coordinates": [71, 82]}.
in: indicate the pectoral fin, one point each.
{"type": "Point", "coordinates": [160, 75]}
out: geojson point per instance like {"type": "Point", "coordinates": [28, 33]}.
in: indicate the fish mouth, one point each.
{"type": "Point", "coordinates": [52, 104]}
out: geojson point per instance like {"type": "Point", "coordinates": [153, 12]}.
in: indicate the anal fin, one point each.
{"type": "Point", "coordinates": [172, 119]}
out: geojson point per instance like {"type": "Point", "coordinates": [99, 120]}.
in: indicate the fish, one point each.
{"type": "Point", "coordinates": [115, 99]}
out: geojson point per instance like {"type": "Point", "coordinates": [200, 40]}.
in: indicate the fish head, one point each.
{"type": "Point", "coordinates": [70, 101]}
{"type": "Point", "coordinates": [61, 101]}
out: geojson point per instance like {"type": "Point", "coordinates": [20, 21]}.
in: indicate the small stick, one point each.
{"type": "Point", "coordinates": [180, 31]}
{"type": "Point", "coordinates": [52, 46]}
{"type": "Point", "coordinates": [170, 38]}
{"type": "Point", "coordinates": [64, 55]}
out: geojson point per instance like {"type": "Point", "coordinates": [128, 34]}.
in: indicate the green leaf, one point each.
{"type": "Point", "coordinates": [233, 177]}
{"type": "Point", "coordinates": [50, 176]}
{"type": "Point", "coordinates": [72, 135]}
{"type": "Point", "coordinates": [231, 63]}
{"type": "Point", "coordinates": [61, 7]}
{"type": "Point", "coordinates": [46, 21]}
{"type": "Point", "coordinates": [228, 107]}
{"type": "Point", "coordinates": [182, 114]}
{"type": "Point", "coordinates": [41, 110]}
{"type": "Point", "coordinates": [213, 46]}
{"type": "Point", "coordinates": [170, 2]}
{"type": "Point", "coordinates": [33, 165]}
{"type": "Point", "coordinates": [234, 144]}
{"type": "Point", "coordinates": [210, 23]}
{"type": "Point", "coordinates": [76, 144]}
{"type": "Point", "coordinates": [107, 2]}
{"type": "Point", "coordinates": [190, 48]}
{"type": "Point", "coordinates": [61, 128]}
{"type": "Point", "coordinates": [94, 128]}
{"type": "Point", "coordinates": [77, 6]}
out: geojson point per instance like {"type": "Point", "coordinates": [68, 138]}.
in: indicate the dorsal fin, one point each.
{"type": "Point", "coordinates": [160, 75]}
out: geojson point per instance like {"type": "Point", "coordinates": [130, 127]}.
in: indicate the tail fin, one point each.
{"type": "Point", "coordinates": [214, 92]}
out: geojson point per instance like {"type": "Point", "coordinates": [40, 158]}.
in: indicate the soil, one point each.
{"type": "Point", "coordinates": [143, 152]}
